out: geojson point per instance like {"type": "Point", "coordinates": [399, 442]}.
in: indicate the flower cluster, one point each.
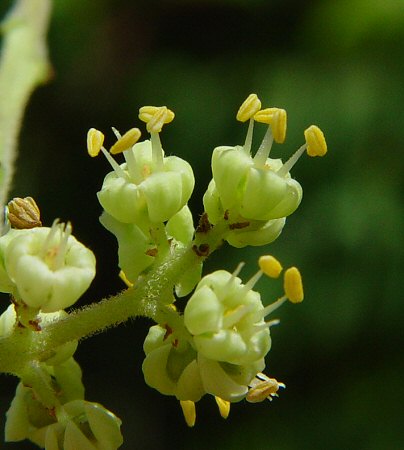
{"type": "Point", "coordinates": [215, 344]}
{"type": "Point", "coordinates": [145, 198]}
{"type": "Point", "coordinates": [221, 344]}
{"type": "Point", "coordinates": [256, 194]}
{"type": "Point", "coordinates": [47, 270]}
{"type": "Point", "coordinates": [71, 425]}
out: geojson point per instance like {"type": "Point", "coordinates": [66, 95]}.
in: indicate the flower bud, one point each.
{"type": "Point", "coordinates": [49, 267]}
{"type": "Point", "coordinates": [28, 418]}
{"type": "Point", "coordinates": [135, 247]}
{"type": "Point", "coordinates": [170, 366]}
{"type": "Point", "coordinates": [23, 213]}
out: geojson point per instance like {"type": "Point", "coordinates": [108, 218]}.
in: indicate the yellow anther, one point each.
{"type": "Point", "coordinates": [315, 141]}
{"type": "Point", "coordinates": [95, 139]}
{"type": "Point", "coordinates": [270, 266]}
{"type": "Point", "coordinates": [23, 213]}
{"type": "Point", "coordinates": [188, 409]}
{"type": "Point", "coordinates": [224, 407]}
{"type": "Point", "coordinates": [277, 118]}
{"type": "Point", "coordinates": [155, 117]}
{"type": "Point", "coordinates": [122, 276]}
{"type": "Point", "coordinates": [293, 286]}
{"type": "Point", "coordinates": [126, 141]}
{"type": "Point", "coordinates": [250, 106]}
{"type": "Point", "coordinates": [263, 387]}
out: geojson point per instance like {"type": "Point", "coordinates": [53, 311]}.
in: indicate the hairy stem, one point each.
{"type": "Point", "coordinates": [23, 66]}
{"type": "Point", "coordinates": [144, 299]}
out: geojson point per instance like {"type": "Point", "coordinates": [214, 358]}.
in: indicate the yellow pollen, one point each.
{"type": "Point", "coordinates": [224, 407]}
{"type": "Point", "coordinates": [188, 409]}
{"type": "Point", "coordinates": [292, 283]}
{"type": "Point", "coordinates": [155, 117]}
{"type": "Point", "coordinates": [270, 266]}
{"type": "Point", "coordinates": [263, 387]}
{"type": "Point", "coordinates": [315, 141]}
{"type": "Point", "coordinates": [95, 139]}
{"type": "Point", "coordinates": [126, 141]}
{"type": "Point", "coordinates": [250, 106]}
{"type": "Point", "coordinates": [277, 118]}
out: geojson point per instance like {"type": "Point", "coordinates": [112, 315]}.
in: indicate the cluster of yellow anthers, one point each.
{"type": "Point", "coordinates": [276, 117]}
{"type": "Point", "coordinates": [154, 117]}
{"type": "Point", "coordinates": [261, 387]}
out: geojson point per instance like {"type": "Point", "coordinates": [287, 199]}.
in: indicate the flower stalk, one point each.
{"type": "Point", "coordinates": [24, 65]}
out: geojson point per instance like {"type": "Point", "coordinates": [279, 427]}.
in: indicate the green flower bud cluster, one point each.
{"type": "Point", "coordinates": [255, 194]}
{"type": "Point", "coordinates": [145, 198]}
{"type": "Point", "coordinates": [72, 424]}
{"type": "Point", "coordinates": [221, 344]}
{"type": "Point", "coordinates": [53, 414]}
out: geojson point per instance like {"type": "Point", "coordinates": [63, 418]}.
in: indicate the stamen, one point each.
{"type": "Point", "coordinates": [118, 135]}
{"type": "Point", "coordinates": [23, 213]}
{"type": "Point", "coordinates": [291, 161]}
{"type": "Point", "coordinates": [155, 124]}
{"type": "Point", "coordinates": [266, 325]}
{"type": "Point", "coordinates": [263, 387]}
{"type": "Point", "coordinates": [277, 119]}
{"type": "Point", "coordinates": [250, 106]}
{"type": "Point", "coordinates": [125, 142]}
{"type": "Point", "coordinates": [248, 138]}
{"type": "Point", "coordinates": [188, 409]}
{"type": "Point", "coordinates": [146, 113]}
{"type": "Point", "coordinates": [49, 238]}
{"type": "Point", "coordinates": [251, 283]}
{"type": "Point", "coordinates": [95, 139]}
{"type": "Point", "coordinates": [233, 316]}
{"type": "Point", "coordinates": [293, 285]}
{"type": "Point", "coordinates": [262, 154]}
{"type": "Point", "coordinates": [315, 140]}
{"type": "Point", "coordinates": [117, 168]}
{"type": "Point", "coordinates": [157, 152]}
{"type": "Point", "coordinates": [270, 266]}
{"type": "Point", "coordinates": [65, 232]}
{"type": "Point", "coordinates": [224, 407]}
{"type": "Point", "coordinates": [275, 305]}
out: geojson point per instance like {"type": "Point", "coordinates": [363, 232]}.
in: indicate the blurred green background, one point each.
{"type": "Point", "coordinates": [336, 63]}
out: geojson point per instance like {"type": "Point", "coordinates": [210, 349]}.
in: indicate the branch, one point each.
{"type": "Point", "coordinates": [23, 66]}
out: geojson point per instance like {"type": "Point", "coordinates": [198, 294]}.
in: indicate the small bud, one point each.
{"type": "Point", "coordinates": [95, 140]}
{"type": "Point", "coordinates": [293, 285]}
{"type": "Point", "coordinates": [276, 118]}
{"type": "Point", "coordinates": [270, 266]}
{"type": "Point", "coordinates": [315, 141]}
{"type": "Point", "coordinates": [23, 213]}
{"type": "Point", "coordinates": [250, 106]}
{"type": "Point", "coordinates": [126, 141]}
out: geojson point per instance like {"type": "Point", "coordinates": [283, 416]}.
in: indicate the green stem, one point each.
{"type": "Point", "coordinates": [141, 300]}
{"type": "Point", "coordinates": [147, 298]}
{"type": "Point", "coordinates": [23, 66]}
